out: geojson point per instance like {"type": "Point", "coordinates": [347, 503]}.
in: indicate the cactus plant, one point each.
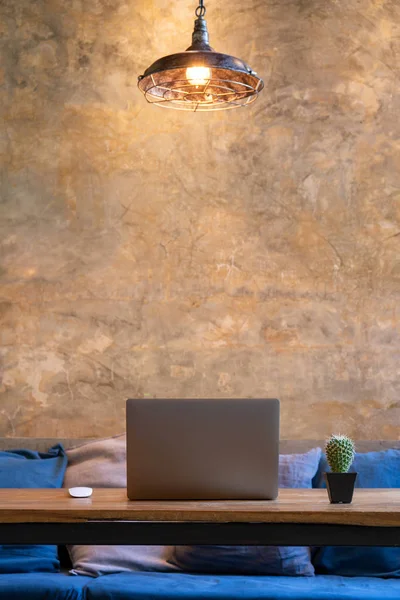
{"type": "Point", "coordinates": [339, 451]}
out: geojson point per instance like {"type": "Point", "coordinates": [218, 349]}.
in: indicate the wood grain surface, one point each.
{"type": "Point", "coordinates": [369, 507]}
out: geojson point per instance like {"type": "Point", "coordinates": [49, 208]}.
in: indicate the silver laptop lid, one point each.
{"type": "Point", "coordinates": [202, 449]}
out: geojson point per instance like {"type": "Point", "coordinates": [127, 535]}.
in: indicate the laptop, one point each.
{"type": "Point", "coordinates": [202, 449]}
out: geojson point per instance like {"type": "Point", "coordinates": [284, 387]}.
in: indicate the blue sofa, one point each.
{"type": "Point", "coordinates": [182, 586]}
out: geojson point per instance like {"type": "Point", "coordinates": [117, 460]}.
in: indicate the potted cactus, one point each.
{"type": "Point", "coordinates": [340, 451]}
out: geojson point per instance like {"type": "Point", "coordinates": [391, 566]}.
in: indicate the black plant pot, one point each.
{"type": "Point", "coordinates": [340, 487]}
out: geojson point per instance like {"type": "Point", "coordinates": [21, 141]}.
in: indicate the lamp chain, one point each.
{"type": "Point", "coordinates": [201, 9]}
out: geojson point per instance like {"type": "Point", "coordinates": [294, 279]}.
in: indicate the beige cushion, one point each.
{"type": "Point", "coordinates": [97, 464]}
{"type": "Point", "coordinates": [102, 463]}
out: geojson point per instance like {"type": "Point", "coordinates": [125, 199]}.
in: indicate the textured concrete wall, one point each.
{"type": "Point", "coordinates": [147, 252]}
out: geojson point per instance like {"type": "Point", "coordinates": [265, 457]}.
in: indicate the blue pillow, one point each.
{"type": "Point", "coordinates": [295, 471]}
{"type": "Point", "coordinates": [374, 470]}
{"type": "Point", "coordinates": [29, 469]}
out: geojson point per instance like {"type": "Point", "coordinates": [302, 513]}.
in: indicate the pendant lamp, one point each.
{"type": "Point", "coordinates": [200, 79]}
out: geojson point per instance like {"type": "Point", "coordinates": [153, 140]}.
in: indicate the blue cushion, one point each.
{"type": "Point", "coordinates": [29, 469]}
{"type": "Point", "coordinates": [295, 471]}
{"type": "Point", "coordinates": [40, 586]}
{"type": "Point", "coordinates": [175, 586]}
{"type": "Point", "coordinates": [374, 470]}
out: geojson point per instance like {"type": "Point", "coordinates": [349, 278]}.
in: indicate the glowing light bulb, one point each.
{"type": "Point", "coordinates": [198, 75]}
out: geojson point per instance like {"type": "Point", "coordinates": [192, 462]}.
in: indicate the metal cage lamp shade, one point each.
{"type": "Point", "coordinates": [200, 79]}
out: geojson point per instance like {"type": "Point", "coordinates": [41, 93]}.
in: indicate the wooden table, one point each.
{"type": "Point", "coordinates": [296, 518]}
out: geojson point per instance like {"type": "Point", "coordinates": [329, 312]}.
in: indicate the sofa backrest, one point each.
{"type": "Point", "coordinates": [39, 444]}
{"type": "Point", "coordinates": [286, 446]}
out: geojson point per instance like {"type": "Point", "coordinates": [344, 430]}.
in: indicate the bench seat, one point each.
{"type": "Point", "coordinates": [180, 586]}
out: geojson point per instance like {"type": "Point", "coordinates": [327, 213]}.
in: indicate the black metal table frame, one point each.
{"type": "Point", "coordinates": [198, 533]}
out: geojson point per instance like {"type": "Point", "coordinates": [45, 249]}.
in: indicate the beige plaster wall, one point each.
{"type": "Point", "coordinates": [156, 253]}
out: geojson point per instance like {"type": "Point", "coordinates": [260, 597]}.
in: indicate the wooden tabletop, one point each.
{"type": "Point", "coordinates": [379, 508]}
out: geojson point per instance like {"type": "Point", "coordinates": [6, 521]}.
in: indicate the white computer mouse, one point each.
{"type": "Point", "coordinates": [80, 492]}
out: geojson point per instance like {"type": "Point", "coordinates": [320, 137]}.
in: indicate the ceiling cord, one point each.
{"type": "Point", "coordinates": [200, 10]}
